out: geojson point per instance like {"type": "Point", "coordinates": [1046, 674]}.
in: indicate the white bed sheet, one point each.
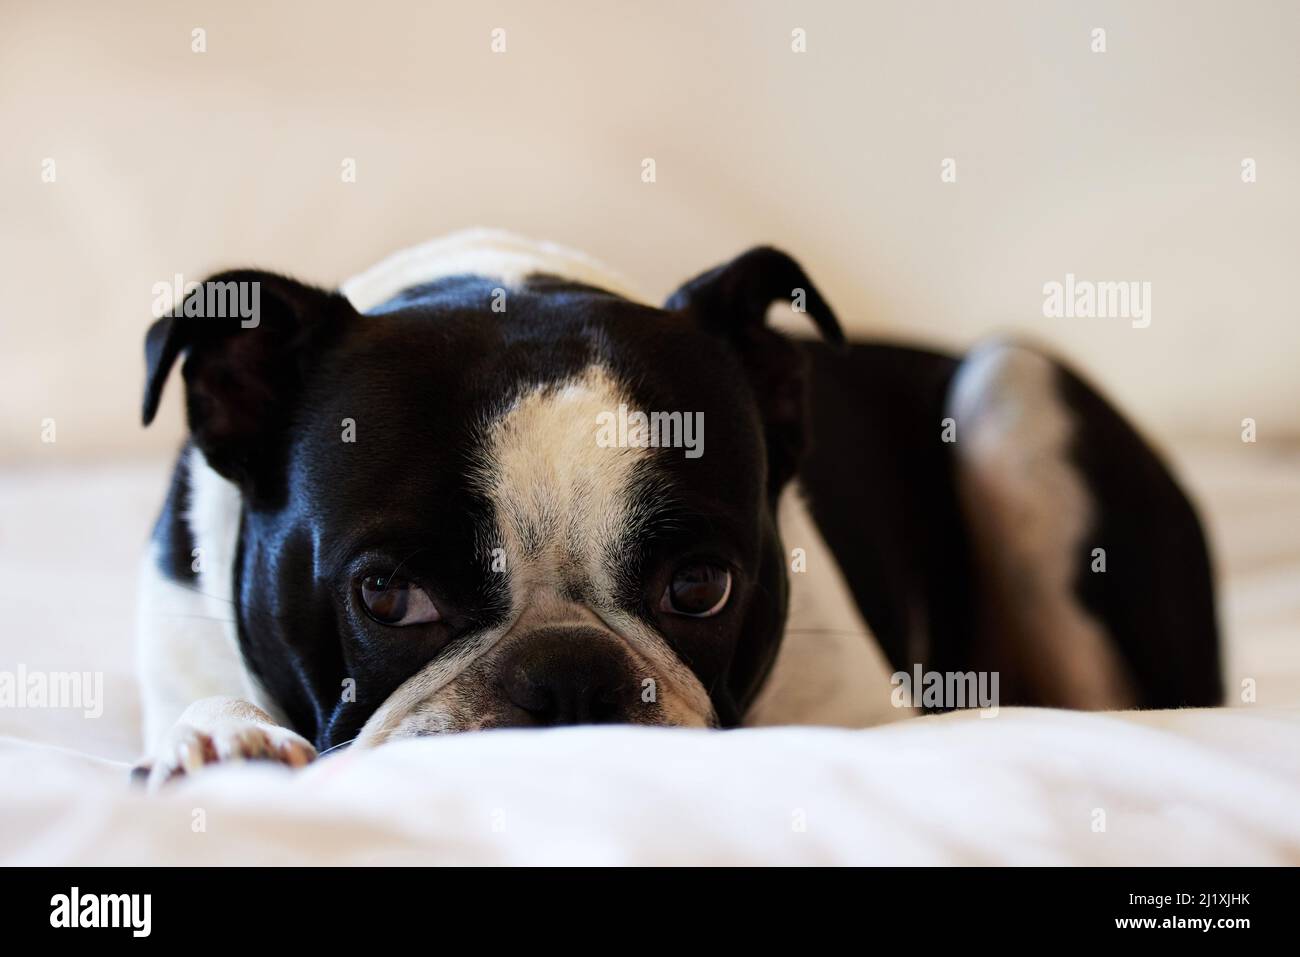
{"type": "Point", "coordinates": [1029, 786]}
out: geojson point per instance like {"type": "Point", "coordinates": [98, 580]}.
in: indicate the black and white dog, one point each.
{"type": "Point", "coordinates": [473, 490]}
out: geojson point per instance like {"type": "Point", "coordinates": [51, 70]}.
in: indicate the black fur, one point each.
{"type": "Point", "coordinates": [880, 486]}
{"type": "Point", "coordinates": [172, 530]}
{"type": "Point", "coordinates": [1157, 594]}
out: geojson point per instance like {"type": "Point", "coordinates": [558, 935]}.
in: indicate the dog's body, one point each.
{"type": "Point", "coordinates": [396, 515]}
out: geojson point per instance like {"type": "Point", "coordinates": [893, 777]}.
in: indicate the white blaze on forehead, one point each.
{"type": "Point", "coordinates": [564, 508]}
{"type": "Point", "coordinates": [564, 505]}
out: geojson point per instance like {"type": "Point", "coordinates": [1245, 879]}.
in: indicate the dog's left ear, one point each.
{"type": "Point", "coordinates": [731, 301]}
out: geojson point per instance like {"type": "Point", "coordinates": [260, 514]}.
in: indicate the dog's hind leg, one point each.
{"type": "Point", "coordinates": [1091, 570]}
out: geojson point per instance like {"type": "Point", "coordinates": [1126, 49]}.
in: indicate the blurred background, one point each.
{"type": "Point", "coordinates": [131, 156]}
{"type": "Point", "coordinates": [1122, 165]}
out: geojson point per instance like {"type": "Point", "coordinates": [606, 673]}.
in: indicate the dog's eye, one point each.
{"type": "Point", "coordinates": [698, 591]}
{"type": "Point", "coordinates": [393, 601]}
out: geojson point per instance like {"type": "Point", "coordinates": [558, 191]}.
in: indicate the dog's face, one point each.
{"type": "Point", "coordinates": [455, 517]}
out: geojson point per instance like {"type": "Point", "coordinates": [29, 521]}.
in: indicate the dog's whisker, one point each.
{"type": "Point", "coordinates": [335, 747]}
{"type": "Point", "coordinates": [198, 591]}
{"type": "Point", "coordinates": [224, 621]}
{"type": "Point", "coordinates": [247, 609]}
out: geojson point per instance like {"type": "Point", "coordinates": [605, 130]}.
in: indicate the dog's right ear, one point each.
{"type": "Point", "coordinates": [247, 337]}
{"type": "Point", "coordinates": [731, 301]}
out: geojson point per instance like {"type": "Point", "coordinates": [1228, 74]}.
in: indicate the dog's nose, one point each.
{"type": "Point", "coordinates": [570, 676]}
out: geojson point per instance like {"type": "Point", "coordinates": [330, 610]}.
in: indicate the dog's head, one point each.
{"type": "Point", "coordinates": [478, 506]}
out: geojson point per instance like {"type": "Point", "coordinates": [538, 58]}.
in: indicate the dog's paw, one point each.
{"type": "Point", "coordinates": [190, 747]}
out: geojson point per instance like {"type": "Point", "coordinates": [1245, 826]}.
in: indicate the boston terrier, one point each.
{"type": "Point", "coordinates": [488, 485]}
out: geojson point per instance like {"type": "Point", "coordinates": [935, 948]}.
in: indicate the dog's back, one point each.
{"type": "Point", "coordinates": [995, 513]}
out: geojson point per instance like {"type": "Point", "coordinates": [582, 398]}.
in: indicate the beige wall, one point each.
{"type": "Point", "coordinates": [1123, 165]}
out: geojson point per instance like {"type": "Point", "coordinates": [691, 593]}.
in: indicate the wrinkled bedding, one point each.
{"type": "Point", "coordinates": [1027, 786]}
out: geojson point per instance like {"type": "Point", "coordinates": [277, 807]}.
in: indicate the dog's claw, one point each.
{"type": "Point", "coordinates": [191, 749]}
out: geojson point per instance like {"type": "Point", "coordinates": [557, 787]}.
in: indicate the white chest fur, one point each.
{"type": "Point", "coordinates": [830, 669]}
